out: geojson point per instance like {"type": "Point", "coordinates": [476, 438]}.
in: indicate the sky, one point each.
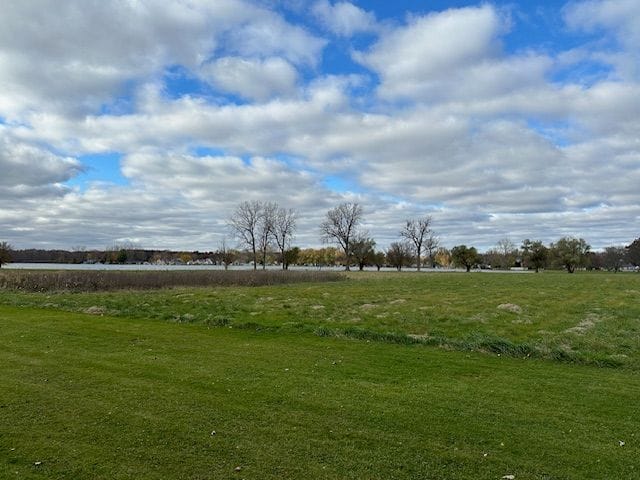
{"type": "Point", "coordinates": [147, 122]}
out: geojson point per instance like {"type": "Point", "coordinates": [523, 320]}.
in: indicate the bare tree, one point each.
{"type": "Point", "coordinates": [614, 257]}
{"type": "Point", "coordinates": [431, 245]}
{"type": "Point", "coordinates": [508, 252]}
{"type": "Point", "coordinates": [399, 254]}
{"type": "Point", "coordinates": [266, 229]}
{"type": "Point", "coordinates": [225, 255]}
{"type": "Point", "coordinates": [341, 225]}
{"type": "Point", "coordinates": [244, 222]}
{"type": "Point", "coordinates": [284, 227]}
{"type": "Point", "coordinates": [415, 232]}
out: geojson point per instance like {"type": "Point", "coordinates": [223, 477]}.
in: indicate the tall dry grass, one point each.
{"type": "Point", "coordinates": [91, 281]}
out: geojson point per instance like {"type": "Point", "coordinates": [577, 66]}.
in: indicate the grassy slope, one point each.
{"type": "Point", "coordinates": [100, 397]}
{"type": "Point", "coordinates": [593, 318]}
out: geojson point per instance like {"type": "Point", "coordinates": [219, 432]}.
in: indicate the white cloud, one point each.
{"type": "Point", "coordinates": [253, 78]}
{"type": "Point", "coordinates": [620, 16]}
{"type": "Point", "coordinates": [73, 57]}
{"type": "Point", "coordinates": [344, 18]}
{"type": "Point", "coordinates": [31, 172]}
{"type": "Point", "coordinates": [268, 35]}
{"type": "Point", "coordinates": [619, 19]}
{"type": "Point", "coordinates": [453, 56]}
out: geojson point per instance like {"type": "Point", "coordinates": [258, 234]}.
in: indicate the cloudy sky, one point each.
{"type": "Point", "coordinates": [148, 121]}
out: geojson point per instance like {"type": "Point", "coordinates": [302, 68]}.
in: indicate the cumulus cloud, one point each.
{"type": "Point", "coordinates": [253, 78]}
{"type": "Point", "coordinates": [452, 55]}
{"type": "Point", "coordinates": [620, 16]}
{"type": "Point", "coordinates": [72, 57]}
{"type": "Point", "coordinates": [31, 172]}
{"type": "Point", "coordinates": [619, 19]}
{"type": "Point", "coordinates": [24, 164]}
{"type": "Point", "coordinates": [344, 18]}
{"type": "Point", "coordinates": [269, 35]}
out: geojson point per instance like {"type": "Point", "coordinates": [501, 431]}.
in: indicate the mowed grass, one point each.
{"type": "Point", "coordinates": [582, 318]}
{"type": "Point", "coordinates": [101, 397]}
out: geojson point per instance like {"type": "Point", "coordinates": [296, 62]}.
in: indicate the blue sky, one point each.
{"type": "Point", "coordinates": [148, 122]}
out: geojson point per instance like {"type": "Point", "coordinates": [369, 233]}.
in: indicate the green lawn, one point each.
{"type": "Point", "coordinates": [116, 397]}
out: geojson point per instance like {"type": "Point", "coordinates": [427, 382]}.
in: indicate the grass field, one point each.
{"type": "Point", "coordinates": [322, 380]}
{"type": "Point", "coordinates": [584, 318]}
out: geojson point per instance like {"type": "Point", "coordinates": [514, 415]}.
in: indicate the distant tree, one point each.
{"type": "Point", "coordinates": [493, 258]}
{"type": "Point", "coordinates": [340, 226]}
{"type": "Point", "coordinates": [571, 253]}
{"type": "Point", "coordinates": [122, 256]}
{"type": "Point", "coordinates": [508, 253]}
{"type": "Point", "coordinates": [633, 252]}
{"type": "Point", "coordinates": [534, 254]}
{"type": "Point", "coordinates": [399, 254]}
{"type": "Point", "coordinates": [284, 226]}
{"type": "Point", "coordinates": [307, 256]}
{"type": "Point", "coordinates": [613, 258]}
{"type": "Point", "coordinates": [290, 257]}
{"type": "Point", "coordinates": [5, 253]}
{"type": "Point", "coordinates": [431, 246]}
{"type": "Point", "coordinates": [328, 256]}
{"type": "Point", "coordinates": [379, 259]}
{"type": "Point", "coordinates": [443, 257]}
{"type": "Point", "coordinates": [416, 231]}
{"type": "Point", "coordinates": [245, 223]}
{"type": "Point", "coordinates": [464, 256]}
{"type": "Point", "coordinates": [362, 250]}
{"type": "Point", "coordinates": [225, 255]}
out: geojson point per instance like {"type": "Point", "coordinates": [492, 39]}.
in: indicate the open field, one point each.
{"type": "Point", "coordinates": [325, 380]}
{"type": "Point", "coordinates": [585, 318]}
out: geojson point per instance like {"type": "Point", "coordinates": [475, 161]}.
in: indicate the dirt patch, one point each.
{"type": "Point", "coordinates": [367, 306]}
{"type": "Point", "coordinates": [585, 325]}
{"type": "Point", "coordinates": [510, 307]}
{"type": "Point", "coordinates": [317, 307]}
{"type": "Point", "coordinates": [95, 310]}
{"type": "Point", "coordinates": [417, 336]}
{"type": "Point", "coordinates": [396, 302]}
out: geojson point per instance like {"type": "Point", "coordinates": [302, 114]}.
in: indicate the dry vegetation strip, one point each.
{"type": "Point", "coordinates": [93, 281]}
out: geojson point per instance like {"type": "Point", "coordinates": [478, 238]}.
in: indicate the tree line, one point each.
{"type": "Point", "coordinates": [265, 231]}
{"type": "Point", "coordinates": [257, 224]}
